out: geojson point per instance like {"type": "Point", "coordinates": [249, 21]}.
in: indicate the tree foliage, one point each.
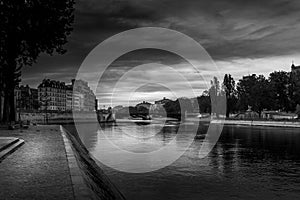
{"type": "Point", "coordinates": [298, 111]}
{"type": "Point", "coordinates": [279, 88]}
{"type": "Point", "coordinates": [204, 102]}
{"type": "Point", "coordinates": [216, 94]}
{"type": "Point", "coordinates": [294, 89]}
{"type": "Point", "coordinates": [172, 108]}
{"type": "Point", "coordinates": [230, 92]}
{"type": "Point", "coordinates": [28, 28]}
{"type": "Point", "coordinates": [254, 91]}
{"type": "Point", "coordinates": [281, 91]}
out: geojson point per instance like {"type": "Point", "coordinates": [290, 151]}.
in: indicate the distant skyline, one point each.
{"type": "Point", "coordinates": [243, 37]}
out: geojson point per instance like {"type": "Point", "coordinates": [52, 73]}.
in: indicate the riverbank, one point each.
{"type": "Point", "coordinates": [93, 174]}
{"type": "Point", "coordinates": [259, 122]}
{"type": "Point", "coordinates": [45, 167]}
{"type": "Point", "coordinates": [288, 124]}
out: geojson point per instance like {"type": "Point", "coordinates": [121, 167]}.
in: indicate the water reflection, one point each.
{"type": "Point", "coordinates": [246, 163]}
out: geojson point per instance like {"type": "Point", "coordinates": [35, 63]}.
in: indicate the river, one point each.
{"type": "Point", "coordinates": [246, 163]}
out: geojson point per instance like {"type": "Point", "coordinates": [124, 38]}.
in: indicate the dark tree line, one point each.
{"type": "Point", "coordinates": [178, 108]}
{"type": "Point", "coordinates": [28, 28]}
{"type": "Point", "coordinates": [280, 91]}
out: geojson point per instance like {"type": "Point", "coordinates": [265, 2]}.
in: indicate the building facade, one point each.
{"type": "Point", "coordinates": [84, 98]}
{"type": "Point", "coordinates": [295, 69]}
{"type": "Point", "coordinates": [69, 98]}
{"type": "Point", "coordinates": [56, 96]}
{"type": "Point", "coordinates": [52, 96]}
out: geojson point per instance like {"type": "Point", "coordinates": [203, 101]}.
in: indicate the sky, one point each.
{"type": "Point", "coordinates": [242, 37]}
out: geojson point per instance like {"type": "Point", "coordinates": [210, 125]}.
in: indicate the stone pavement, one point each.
{"type": "Point", "coordinates": [4, 141]}
{"type": "Point", "coordinates": [38, 169]}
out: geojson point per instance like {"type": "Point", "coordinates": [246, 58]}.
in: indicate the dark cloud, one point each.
{"type": "Point", "coordinates": [228, 29]}
{"type": "Point", "coordinates": [222, 26]}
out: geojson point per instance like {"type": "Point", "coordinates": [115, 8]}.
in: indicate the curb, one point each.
{"type": "Point", "coordinates": [95, 178]}
{"type": "Point", "coordinates": [80, 188]}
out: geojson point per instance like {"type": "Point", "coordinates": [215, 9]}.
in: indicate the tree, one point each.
{"type": "Point", "coordinates": [204, 102]}
{"type": "Point", "coordinates": [254, 91]}
{"type": "Point", "coordinates": [132, 110]}
{"type": "Point", "coordinates": [230, 92]}
{"type": "Point", "coordinates": [28, 28]}
{"type": "Point", "coordinates": [185, 104]}
{"type": "Point", "coordinates": [262, 94]}
{"type": "Point", "coordinates": [214, 91]}
{"type": "Point", "coordinates": [172, 109]}
{"type": "Point", "coordinates": [245, 91]}
{"type": "Point", "coordinates": [216, 99]}
{"type": "Point", "coordinates": [141, 110]}
{"type": "Point", "coordinates": [294, 89]}
{"type": "Point", "coordinates": [298, 111]}
{"type": "Point", "coordinates": [279, 86]}
{"type": "Point", "coordinates": [45, 101]}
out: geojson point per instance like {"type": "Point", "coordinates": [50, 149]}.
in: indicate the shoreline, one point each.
{"type": "Point", "coordinates": [259, 122]}
{"type": "Point", "coordinates": [287, 124]}
{"type": "Point", "coordinates": [267, 123]}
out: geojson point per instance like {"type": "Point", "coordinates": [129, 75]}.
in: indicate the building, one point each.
{"type": "Point", "coordinates": [295, 69]}
{"type": "Point", "coordinates": [163, 101]}
{"type": "Point", "coordinates": [52, 96]}
{"type": "Point", "coordinates": [56, 96]}
{"type": "Point", "coordinates": [69, 98]}
{"type": "Point", "coordinates": [143, 104]}
{"type": "Point", "coordinates": [77, 101]}
{"type": "Point", "coordinates": [277, 115]}
{"type": "Point", "coordinates": [26, 99]}
{"type": "Point", "coordinates": [84, 98]}
{"type": "Point", "coordinates": [249, 114]}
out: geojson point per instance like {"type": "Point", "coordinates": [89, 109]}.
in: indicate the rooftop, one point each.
{"type": "Point", "coordinates": [144, 102]}
{"type": "Point", "coordinates": [295, 67]}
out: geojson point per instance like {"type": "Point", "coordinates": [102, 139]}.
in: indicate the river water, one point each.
{"type": "Point", "coordinates": [246, 163]}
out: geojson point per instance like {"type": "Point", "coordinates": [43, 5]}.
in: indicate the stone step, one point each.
{"type": "Point", "coordinates": [10, 147]}
{"type": "Point", "coordinates": [7, 141]}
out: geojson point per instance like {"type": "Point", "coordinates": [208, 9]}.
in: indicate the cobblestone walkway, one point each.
{"type": "Point", "coordinates": [38, 169]}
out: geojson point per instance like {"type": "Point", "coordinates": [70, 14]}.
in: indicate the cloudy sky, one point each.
{"type": "Point", "coordinates": [241, 36]}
